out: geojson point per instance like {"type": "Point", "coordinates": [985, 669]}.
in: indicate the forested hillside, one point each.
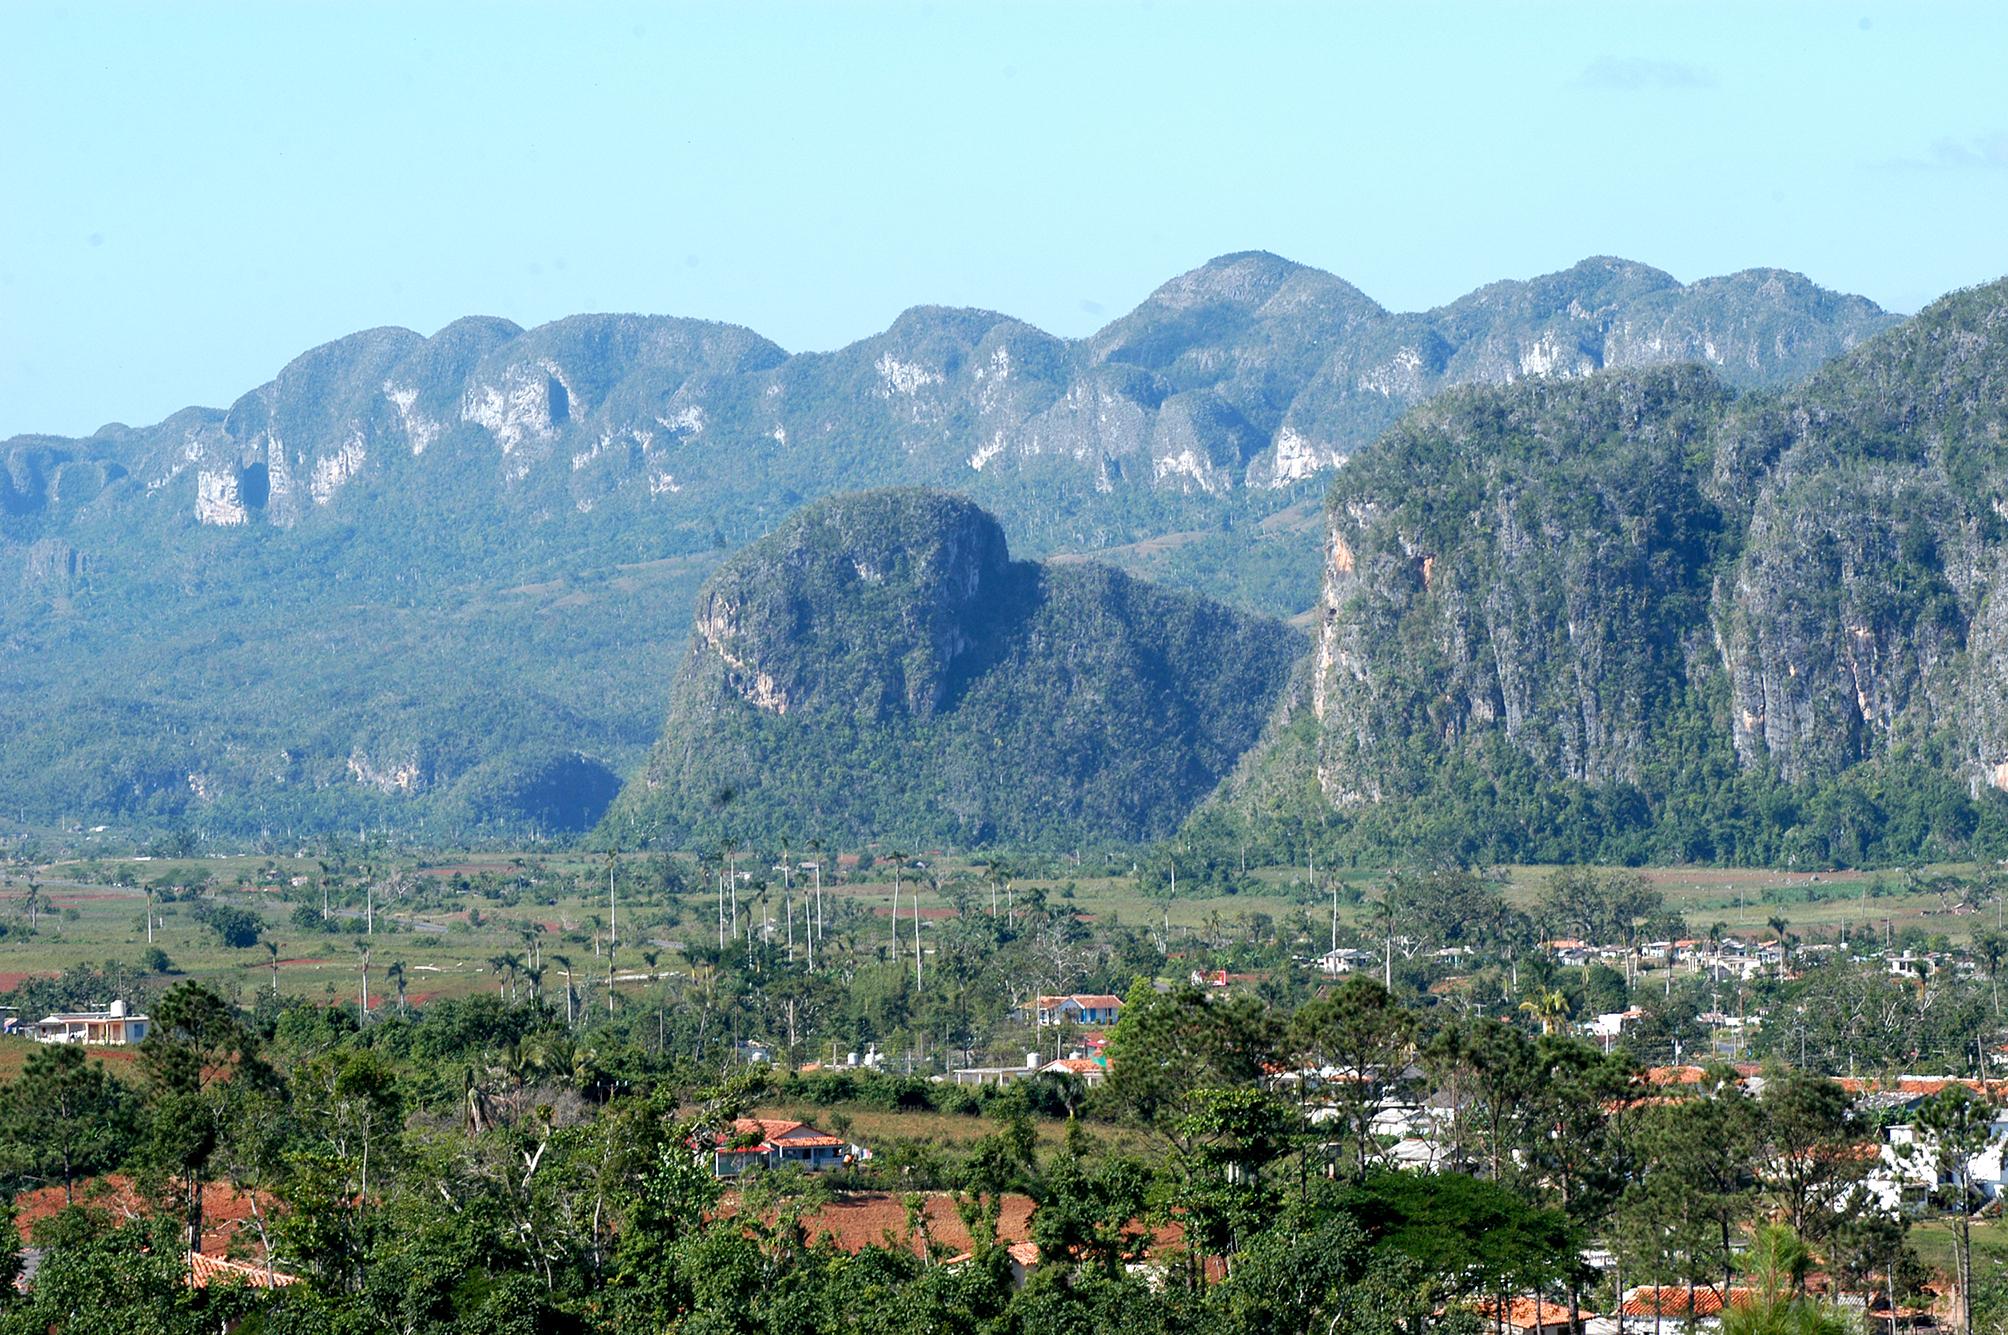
{"type": "Point", "coordinates": [878, 666]}
{"type": "Point", "coordinates": [1629, 617]}
{"type": "Point", "coordinates": [434, 584]}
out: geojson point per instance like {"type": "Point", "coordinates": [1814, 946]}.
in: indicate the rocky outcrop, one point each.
{"type": "Point", "coordinates": [1584, 568]}
{"type": "Point", "coordinates": [878, 666]}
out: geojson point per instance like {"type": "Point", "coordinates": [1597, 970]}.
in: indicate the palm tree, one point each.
{"type": "Point", "coordinates": [1550, 1006]}
{"type": "Point", "coordinates": [898, 856]}
{"type": "Point", "coordinates": [396, 975]}
{"type": "Point", "coordinates": [564, 962]}
{"type": "Point", "coordinates": [272, 949]}
{"type": "Point", "coordinates": [1777, 925]}
{"type": "Point", "coordinates": [1993, 948]}
{"type": "Point", "coordinates": [363, 949]}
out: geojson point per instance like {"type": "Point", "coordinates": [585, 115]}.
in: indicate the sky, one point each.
{"type": "Point", "coordinates": [196, 193]}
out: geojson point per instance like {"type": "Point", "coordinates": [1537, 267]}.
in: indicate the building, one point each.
{"type": "Point", "coordinates": [1087, 1070]}
{"type": "Point", "coordinates": [757, 1142]}
{"type": "Point", "coordinates": [1532, 1316]}
{"type": "Point", "coordinates": [105, 1028]}
{"type": "Point", "coordinates": [204, 1270]}
{"type": "Point", "coordinates": [1077, 1008]}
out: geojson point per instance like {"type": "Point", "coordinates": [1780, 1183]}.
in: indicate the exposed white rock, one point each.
{"type": "Point", "coordinates": [523, 406]}
{"type": "Point", "coordinates": [419, 429]}
{"type": "Point", "coordinates": [1399, 376]}
{"type": "Point", "coordinates": [987, 451]}
{"type": "Point", "coordinates": [1546, 356]}
{"type": "Point", "coordinates": [1298, 457]}
{"type": "Point", "coordinates": [898, 377]}
{"type": "Point", "coordinates": [780, 434]}
{"type": "Point", "coordinates": [661, 484]}
{"type": "Point", "coordinates": [218, 499]}
{"type": "Point", "coordinates": [687, 421]}
{"type": "Point", "coordinates": [404, 776]}
{"type": "Point", "coordinates": [1186, 463]}
{"type": "Point", "coordinates": [332, 470]}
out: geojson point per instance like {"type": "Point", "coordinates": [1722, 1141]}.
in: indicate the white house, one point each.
{"type": "Point", "coordinates": [106, 1028]}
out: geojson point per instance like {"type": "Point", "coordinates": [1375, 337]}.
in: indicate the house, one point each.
{"type": "Point", "coordinates": [978, 1076]}
{"type": "Point", "coordinates": [106, 1028]}
{"type": "Point", "coordinates": [1701, 1305]}
{"type": "Point", "coordinates": [1531, 1316]}
{"type": "Point", "coordinates": [1087, 1070]}
{"type": "Point", "coordinates": [1077, 1008]}
{"type": "Point", "coordinates": [757, 1142]}
{"type": "Point", "coordinates": [1343, 960]}
{"type": "Point", "coordinates": [1024, 1258]}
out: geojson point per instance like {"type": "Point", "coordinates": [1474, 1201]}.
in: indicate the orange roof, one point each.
{"type": "Point", "coordinates": [773, 1131]}
{"type": "Point", "coordinates": [1527, 1313]}
{"type": "Point", "coordinates": [1078, 1065]}
{"type": "Point", "coordinates": [1672, 1300]}
{"type": "Point", "coordinates": [1675, 1075]}
{"type": "Point", "coordinates": [206, 1270]}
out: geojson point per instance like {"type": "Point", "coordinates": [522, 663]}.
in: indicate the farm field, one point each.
{"type": "Point", "coordinates": [447, 922]}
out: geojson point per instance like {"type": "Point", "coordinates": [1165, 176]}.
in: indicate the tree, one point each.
{"type": "Point", "coordinates": [1956, 1125]}
{"type": "Point", "coordinates": [1168, 1046]}
{"type": "Point", "coordinates": [64, 1118]}
{"type": "Point", "coordinates": [1807, 1162]}
{"type": "Point", "coordinates": [1368, 1036]}
{"type": "Point", "coordinates": [1778, 1262]}
{"type": "Point", "coordinates": [1549, 1006]}
{"type": "Point", "coordinates": [196, 1060]}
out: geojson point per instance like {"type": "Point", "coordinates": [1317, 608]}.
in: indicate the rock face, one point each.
{"type": "Point", "coordinates": [879, 667]}
{"type": "Point", "coordinates": [397, 530]}
{"type": "Point", "coordinates": [1250, 371]}
{"type": "Point", "coordinates": [1614, 576]}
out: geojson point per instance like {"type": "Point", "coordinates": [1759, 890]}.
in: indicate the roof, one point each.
{"type": "Point", "coordinates": [1076, 1065]}
{"type": "Point", "coordinates": [773, 1131]}
{"type": "Point", "coordinates": [1672, 1300]}
{"type": "Point", "coordinates": [206, 1270]}
{"type": "Point", "coordinates": [1529, 1312]}
{"type": "Point", "coordinates": [1085, 1000]}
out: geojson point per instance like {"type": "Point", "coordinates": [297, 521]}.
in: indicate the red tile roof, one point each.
{"type": "Point", "coordinates": [1672, 1300]}
{"type": "Point", "coordinates": [1527, 1313]}
{"type": "Point", "coordinates": [206, 1270]}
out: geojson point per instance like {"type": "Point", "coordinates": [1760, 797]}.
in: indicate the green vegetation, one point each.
{"type": "Point", "coordinates": [434, 585]}
{"type": "Point", "coordinates": [527, 1153]}
{"type": "Point", "coordinates": [1629, 619]}
{"type": "Point", "coordinates": [878, 665]}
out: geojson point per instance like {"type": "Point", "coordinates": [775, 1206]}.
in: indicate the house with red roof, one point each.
{"type": "Point", "coordinates": [1532, 1316]}
{"type": "Point", "coordinates": [1077, 1008]}
{"type": "Point", "coordinates": [760, 1142]}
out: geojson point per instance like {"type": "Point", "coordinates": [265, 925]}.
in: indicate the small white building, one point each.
{"type": "Point", "coordinates": [111, 1027]}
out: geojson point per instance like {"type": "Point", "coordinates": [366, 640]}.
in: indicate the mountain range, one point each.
{"type": "Point", "coordinates": [441, 584]}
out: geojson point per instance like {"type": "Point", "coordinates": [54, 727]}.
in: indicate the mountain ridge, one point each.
{"type": "Point", "coordinates": [292, 613]}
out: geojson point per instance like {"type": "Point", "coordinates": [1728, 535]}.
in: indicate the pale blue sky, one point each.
{"type": "Point", "coordinates": [196, 193]}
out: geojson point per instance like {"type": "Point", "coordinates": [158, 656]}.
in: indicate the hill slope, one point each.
{"type": "Point", "coordinates": [878, 666]}
{"type": "Point", "coordinates": [1628, 616]}
{"type": "Point", "coordinates": [433, 583]}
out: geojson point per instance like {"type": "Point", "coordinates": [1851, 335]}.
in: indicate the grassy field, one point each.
{"type": "Point", "coordinates": [446, 934]}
